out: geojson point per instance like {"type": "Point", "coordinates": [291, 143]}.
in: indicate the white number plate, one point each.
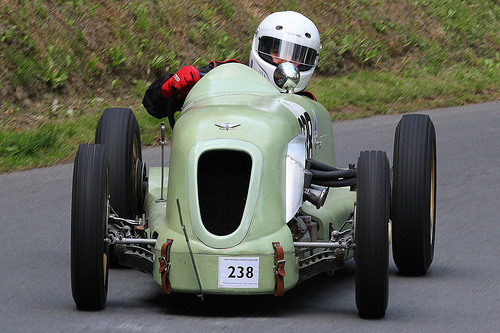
{"type": "Point", "coordinates": [239, 272]}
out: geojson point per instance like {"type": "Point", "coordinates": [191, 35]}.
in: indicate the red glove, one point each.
{"type": "Point", "coordinates": [182, 81]}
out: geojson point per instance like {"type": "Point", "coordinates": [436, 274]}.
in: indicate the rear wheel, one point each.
{"type": "Point", "coordinates": [414, 194]}
{"type": "Point", "coordinates": [119, 131]}
{"type": "Point", "coordinates": [371, 234]}
{"type": "Point", "coordinates": [89, 213]}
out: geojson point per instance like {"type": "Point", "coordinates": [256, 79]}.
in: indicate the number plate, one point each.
{"type": "Point", "coordinates": [238, 272]}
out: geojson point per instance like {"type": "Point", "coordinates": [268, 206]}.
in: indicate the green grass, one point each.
{"type": "Point", "coordinates": [357, 94]}
{"type": "Point", "coordinates": [368, 93]}
{"type": "Point", "coordinates": [47, 145]}
{"type": "Point", "coordinates": [378, 57]}
{"type": "Point", "coordinates": [57, 142]}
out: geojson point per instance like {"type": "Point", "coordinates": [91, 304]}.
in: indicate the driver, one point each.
{"type": "Point", "coordinates": [280, 37]}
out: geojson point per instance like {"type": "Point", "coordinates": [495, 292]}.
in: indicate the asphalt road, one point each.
{"type": "Point", "coordinates": [460, 293]}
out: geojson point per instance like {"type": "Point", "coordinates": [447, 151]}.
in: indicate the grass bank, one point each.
{"type": "Point", "coordinates": [378, 57]}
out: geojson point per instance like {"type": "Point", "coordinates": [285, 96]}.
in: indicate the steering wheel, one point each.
{"type": "Point", "coordinates": [170, 108]}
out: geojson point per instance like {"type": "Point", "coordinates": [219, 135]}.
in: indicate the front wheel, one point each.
{"type": "Point", "coordinates": [89, 213]}
{"type": "Point", "coordinates": [371, 234]}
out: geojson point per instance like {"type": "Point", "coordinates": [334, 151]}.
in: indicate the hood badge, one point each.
{"type": "Point", "coordinates": [227, 126]}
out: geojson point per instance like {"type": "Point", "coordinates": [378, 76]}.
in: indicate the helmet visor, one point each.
{"type": "Point", "coordinates": [277, 51]}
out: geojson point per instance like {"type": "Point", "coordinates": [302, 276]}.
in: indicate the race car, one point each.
{"type": "Point", "coordinates": [252, 201]}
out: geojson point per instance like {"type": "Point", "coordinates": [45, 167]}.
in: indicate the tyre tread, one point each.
{"type": "Point", "coordinates": [415, 134]}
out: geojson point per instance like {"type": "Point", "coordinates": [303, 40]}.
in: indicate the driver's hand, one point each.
{"type": "Point", "coordinates": [182, 81]}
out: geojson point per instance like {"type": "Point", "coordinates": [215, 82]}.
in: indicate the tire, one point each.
{"type": "Point", "coordinates": [371, 234]}
{"type": "Point", "coordinates": [89, 212]}
{"type": "Point", "coordinates": [413, 212]}
{"type": "Point", "coordinates": [118, 130]}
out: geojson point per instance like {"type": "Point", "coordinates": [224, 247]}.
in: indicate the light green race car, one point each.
{"type": "Point", "coordinates": [251, 202]}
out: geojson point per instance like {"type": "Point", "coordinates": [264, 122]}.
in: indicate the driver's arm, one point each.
{"type": "Point", "coordinates": [157, 96]}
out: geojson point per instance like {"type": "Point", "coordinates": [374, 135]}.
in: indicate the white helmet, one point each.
{"type": "Point", "coordinates": [286, 37]}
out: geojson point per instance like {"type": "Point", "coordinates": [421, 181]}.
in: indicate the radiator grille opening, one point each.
{"type": "Point", "coordinates": [223, 180]}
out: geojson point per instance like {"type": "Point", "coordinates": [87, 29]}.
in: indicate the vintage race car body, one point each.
{"type": "Point", "coordinates": [237, 148]}
{"type": "Point", "coordinates": [251, 202]}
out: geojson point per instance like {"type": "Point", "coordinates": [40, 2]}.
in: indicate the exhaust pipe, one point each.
{"type": "Point", "coordinates": [316, 195]}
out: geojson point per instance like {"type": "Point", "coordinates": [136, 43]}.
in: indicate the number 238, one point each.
{"type": "Point", "coordinates": [240, 272]}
